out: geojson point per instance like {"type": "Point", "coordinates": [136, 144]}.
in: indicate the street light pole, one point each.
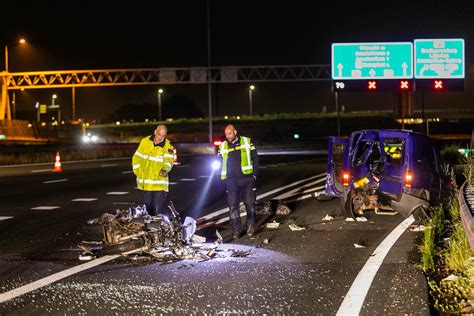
{"type": "Point", "coordinates": [21, 41]}
{"type": "Point", "coordinates": [160, 92]}
{"type": "Point", "coordinates": [209, 90]}
{"type": "Point", "coordinates": [251, 88]}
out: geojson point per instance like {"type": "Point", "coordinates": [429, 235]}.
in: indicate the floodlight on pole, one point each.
{"type": "Point", "coordinates": [20, 41]}
{"type": "Point", "coordinates": [251, 88]}
{"type": "Point", "coordinates": [160, 92]}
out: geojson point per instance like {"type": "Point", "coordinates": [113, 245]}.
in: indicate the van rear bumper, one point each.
{"type": "Point", "coordinates": [407, 203]}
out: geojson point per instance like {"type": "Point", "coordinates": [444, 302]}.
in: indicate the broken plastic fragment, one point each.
{"type": "Point", "coordinates": [198, 239]}
{"type": "Point", "coordinates": [361, 219]}
{"type": "Point", "coordinates": [273, 224]}
{"type": "Point", "coordinates": [417, 228]}
{"type": "Point", "coordinates": [295, 227]}
{"type": "Point", "coordinates": [328, 218]}
{"type": "Point", "coordinates": [359, 246]}
{"type": "Point", "coordinates": [350, 219]}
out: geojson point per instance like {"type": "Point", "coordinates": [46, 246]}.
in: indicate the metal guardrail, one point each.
{"type": "Point", "coordinates": [466, 203]}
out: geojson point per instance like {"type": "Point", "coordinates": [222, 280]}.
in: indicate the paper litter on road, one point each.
{"type": "Point", "coordinates": [273, 224]}
{"type": "Point", "coordinates": [295, 227]}
{"type": "Point", "coordinates": [328, 218]}
{"type": "Point", "coordinates": [350, 219]}
{"type": "Point", "coordinates": [361, 219]}
{"type": "Point", "coordinates": [417, 228]}
{"type": "Point", "coordinates": [359, 246]}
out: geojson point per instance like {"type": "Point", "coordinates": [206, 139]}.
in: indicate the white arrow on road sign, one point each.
{"type": "Point", "coordinates": [404, 66]}
{"type": "Point", "coordinates": [339, 68]}
{"type": "Point", "coordinates": [372, 72]}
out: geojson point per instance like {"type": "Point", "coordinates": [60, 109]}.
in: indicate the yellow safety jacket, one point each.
{"type": "Point", "coordinates": [147, 162]}
{"type": "Point", "coordinates": [245, 162]}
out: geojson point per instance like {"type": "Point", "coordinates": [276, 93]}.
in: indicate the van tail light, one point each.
{"type": "Point", "coordinates": [217, 143]}
{"type": "Point", "coordinates": [345, 178]}
{"type": "Point", "coordinates": [408, 179]}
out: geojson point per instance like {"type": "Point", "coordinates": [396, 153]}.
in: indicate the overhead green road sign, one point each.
{"type": "Point", "coordinates": [439, 58]}
{"type": "Point", "coordinates": [392, 60]}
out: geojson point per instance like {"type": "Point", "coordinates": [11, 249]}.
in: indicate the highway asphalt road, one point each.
{"type": "Point", "coordinates": [323, 269]}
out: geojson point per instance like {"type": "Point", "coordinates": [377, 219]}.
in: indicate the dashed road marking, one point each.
{"type": "Point", "coordinates": [54, 181]}
{"type": "Point", "coordinates": [84, 199]}
{"type": "Point", "coordinates": [173, 183]}
{"type": "Point", "coordinates": [2, 218]}
{"type": "Point", "coordinates": [42, 170]}
{"type": "Point", "coordinates": [204, 176]}
{"type": "Point", "coordinates": [45, 208]}
{"type": "Point", "coordinates": [108, 165]}
{"type": "Point", "coordinates": [117, 193]}
{"type": "Point", "coordinates": [187, 179]}
{"type": "Point", "coordinates": [355, 297]}
{"type": "Point", "coordinates": [128, 171]}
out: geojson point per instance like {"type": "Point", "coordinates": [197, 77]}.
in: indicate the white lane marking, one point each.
{"type": "Point", "coordinates": [2, 218]}
{"type": "Point", "coordinates": [297, 190]}
{"type": "Point", "coordinates": [187, 179]}
{"type": "Point", "coordinates": [173, 183]}
{"type": "Point", "coordinates": [84, 200]}
{"type": "Point", "coordinates": [116, 193]}
{"type": "Point", "coordinates": [261, 196]}
{"type": "Point", "coordinates": [54, 181]}
{"type": "Point", "coordinates": [204, 176]}
{"type": "Point", "coordinates": [128, 171]}
{"type": "Point", "coordinates": [53, 278]}
{"type": "Point", "coordinates": [47, 208]}
{"type": "Point", "coordinates": [294, 193]}
{"type": "Point", "coordinates": [108, 165]}
{"type": "Point", "coordinates": [42, 170]}
{"type": "Point", "coordinates": [355, 297]}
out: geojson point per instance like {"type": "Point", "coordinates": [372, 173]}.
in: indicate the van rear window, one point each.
{"type": "Point", "coordinates": [394, 149]}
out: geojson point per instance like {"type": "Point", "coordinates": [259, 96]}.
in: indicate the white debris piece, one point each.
{"type": "Point", "coordinates": [361, 219]}
{"type": "Point", "coordinates": [450, 277]}
{"type": "Point", "coordinates": [282, 210]}
{"type": "Point", "coordinates": [266, 241]}
{"type": "Point", "coordinates": [350, 219]}
{"type": "Point", "coordinates": [328, 218]}
{"type": "Point", "coordinates": [198, 239]}
{"type": "Point", "coordinates": [359, 246]}
{"type": "Point", "coordinates": [295, 227]}
{"type": "Point", "coordinates": [273, 224]}
{"type": "Point", "coordinates": [417, 228]}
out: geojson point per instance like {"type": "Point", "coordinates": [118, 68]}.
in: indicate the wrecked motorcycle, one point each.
{"type": "Point", "coordinates": [134, 230]}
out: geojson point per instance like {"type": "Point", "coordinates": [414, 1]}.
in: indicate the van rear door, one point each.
{"type": "Point", "coordinates": [336, 154]}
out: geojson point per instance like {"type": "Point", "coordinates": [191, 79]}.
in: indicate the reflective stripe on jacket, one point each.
{"type": "Point", "coordinates": [147, 162]}
{"type": "Point", "coordinates": [245, 162]}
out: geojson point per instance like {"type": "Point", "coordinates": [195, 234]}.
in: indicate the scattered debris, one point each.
{"type": "Point", "coordinates": [273, 224]}
{"type": "Point", "coordinates": [295, 227]}
{"type": "Point", "coordinates": [350, 219]}
{"type": "Point", "coordinates": [417, 228]}
{"type": "Point", "coordinates": [240, 253]}
{"type": "Point", "coordinates": [265, 208]}
{"type": "Point", "coordinates": [266, 241]}
{"type": "Point", "coordinates": [450, 277]}
{"type": "Point", "coordinates": [361, 219]}
{"type": "Point", "coordinates": [359, 246]}
{"type": "Point", "coordinates": [134, 232]}
{"type": "Point", "coordinates": [283, 210]}
{"type": "Point", "coordinates": [328, 218]}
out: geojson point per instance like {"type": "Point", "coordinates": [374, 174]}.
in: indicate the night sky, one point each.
{"type": "Point", "coordinates": [152, 34]}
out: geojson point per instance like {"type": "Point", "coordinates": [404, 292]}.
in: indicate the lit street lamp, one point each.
{"type": "Point", "coordinates": [251, 88]}
{"type": "Point", "coordinates": [160, 92]}
{"type": "Point", "coordinates": [21, 41]}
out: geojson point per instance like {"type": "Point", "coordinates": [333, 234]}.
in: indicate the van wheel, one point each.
{"type": "Point", "coordinates": [421, 213]}
{"type": "Point", "coordinates": [347, 206]}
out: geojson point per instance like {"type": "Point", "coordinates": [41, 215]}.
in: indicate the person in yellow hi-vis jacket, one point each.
{"type": "Point", "coordinates": [151, 164]}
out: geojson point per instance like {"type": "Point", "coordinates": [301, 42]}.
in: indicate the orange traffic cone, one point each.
{"type": "Point", "coordinates": [175, 156]}
{"type": "Point", "coordinates": [57, 163]}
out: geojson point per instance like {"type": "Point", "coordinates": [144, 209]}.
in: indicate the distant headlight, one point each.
{"type": "Point", "coordinates": [94, 139]}
{"type": "Point", "coordinates": [86, 139]}
{"type": "Point", "coordinates": [216, 164]}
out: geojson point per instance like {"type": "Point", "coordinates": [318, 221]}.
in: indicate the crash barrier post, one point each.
{"type": "Point", "coordinates": [57, 163]}
{"type": "Point", "coordinates": [467, 218]}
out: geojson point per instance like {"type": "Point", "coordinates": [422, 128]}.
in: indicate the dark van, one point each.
{"type": "Point", "coordinates": [388, 171]}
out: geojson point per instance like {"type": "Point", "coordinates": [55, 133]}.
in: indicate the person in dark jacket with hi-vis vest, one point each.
{"type": "Point", "coordinates": [151, 164]}
{"type": "Point", "coordinates": [239, 170]}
